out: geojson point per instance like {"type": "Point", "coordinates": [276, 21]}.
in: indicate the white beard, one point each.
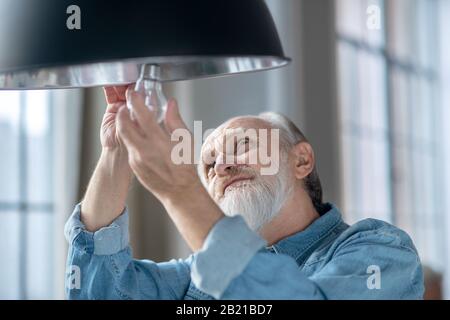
{"type": "Point", "coordinates": [259, 200]}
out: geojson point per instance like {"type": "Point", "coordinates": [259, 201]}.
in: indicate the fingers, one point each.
{"type": "Point", "coordinates": [110, 95]}
{"type": "Point", "coordinates": [127, 129]}
{"type": "Point", "coordinates": [115, 94]}
{"type": "Point", "coordinates": [120, 91]}
{"type": "Point", "coordinates": [114, 107]}
{"type": "Point", "coordinates": [173, 118]}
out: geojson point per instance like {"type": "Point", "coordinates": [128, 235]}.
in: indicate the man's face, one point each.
{"type": "Point", "coordinates": [231, 166]}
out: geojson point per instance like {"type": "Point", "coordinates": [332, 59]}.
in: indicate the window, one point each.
{"type": "Point", "coordinates": [390, 111]}
{"type": "Point", "coordinates": [364, 114]}
{"type": "Point", "coordinates": [26, 192]}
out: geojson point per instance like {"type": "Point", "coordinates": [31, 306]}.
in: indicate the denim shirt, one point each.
{"type": "Point", "coordinates": [328, 260]}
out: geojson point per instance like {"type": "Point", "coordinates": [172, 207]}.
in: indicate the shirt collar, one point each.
{"type": "Point", "coordinates": [300, 242]}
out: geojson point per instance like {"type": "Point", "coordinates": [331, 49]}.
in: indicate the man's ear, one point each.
{"type": "Point", "coordinates": [304, 160]}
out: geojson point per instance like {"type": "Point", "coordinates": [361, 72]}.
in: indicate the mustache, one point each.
{"type": "Point", "coordinates": [235, 173]}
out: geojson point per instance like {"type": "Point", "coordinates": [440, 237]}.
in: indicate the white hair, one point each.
{"type": "Point", "coordinates": [289, 131]}
{"type": "Point", "coordinates": [291, 135]}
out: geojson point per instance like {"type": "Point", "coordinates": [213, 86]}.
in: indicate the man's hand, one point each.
{"type": "Point", "coordinates": [115, 98]}
{"type": "Point", "coordinates": [178, 187]}
{"type": "Point", "coordinates": [107, 190]}
{"type": "Point", "coordinates": [149, 147]}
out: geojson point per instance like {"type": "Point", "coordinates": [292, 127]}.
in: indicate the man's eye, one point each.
{"type": "Point", "coordinates": [243, 145]}
{"type": "Point", "coordinates": [244, 141]}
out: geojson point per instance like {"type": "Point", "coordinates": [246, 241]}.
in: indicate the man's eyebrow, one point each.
{"type": "Point", "coordinates": [242, 131]}
{"type": "Point", "coordinates": [233, 130]}
{"type": "Point", "coordinates": [224, 133]}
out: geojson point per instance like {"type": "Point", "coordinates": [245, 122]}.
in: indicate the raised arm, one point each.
{"type": "Point", "coordinates": [100, 263]}
{"type": "Point", "coordinates": [107, 190]}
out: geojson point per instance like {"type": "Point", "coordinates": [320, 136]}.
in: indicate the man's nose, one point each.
{"type": "Point", "coordinates": [223, 165]}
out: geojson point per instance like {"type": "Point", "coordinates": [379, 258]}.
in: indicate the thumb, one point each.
{"type": "Point", "coordinates": [173, 118]}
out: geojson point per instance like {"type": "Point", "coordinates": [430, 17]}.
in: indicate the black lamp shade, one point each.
{"type": "Point", "coordinates": [186, 39]}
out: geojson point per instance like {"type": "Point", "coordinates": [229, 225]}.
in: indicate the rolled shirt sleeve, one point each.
{"type": "Point", "coordinates": [100, 265]}
{"type": "Point", "coordinates": [228, 248]}
{"type": "Point", "coordinates": [105, 241]}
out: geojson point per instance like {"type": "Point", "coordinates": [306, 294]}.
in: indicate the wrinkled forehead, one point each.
{"type": "Point", "coordinates": [232, 127]}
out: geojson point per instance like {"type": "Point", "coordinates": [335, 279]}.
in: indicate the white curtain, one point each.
{"type": "Point", "coordinates": [67, 112]}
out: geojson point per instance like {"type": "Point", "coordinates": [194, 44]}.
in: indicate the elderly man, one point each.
{"type": "Point", "coordinates": [253, 236]}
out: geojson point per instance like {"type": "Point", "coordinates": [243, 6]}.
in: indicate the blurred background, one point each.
{"type": "Point", "coordinates": [369, 86]}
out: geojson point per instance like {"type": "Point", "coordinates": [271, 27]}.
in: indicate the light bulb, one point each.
{"type": "Point", "coordinates": [151, 89]}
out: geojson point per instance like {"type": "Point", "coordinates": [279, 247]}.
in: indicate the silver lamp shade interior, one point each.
{"type": "Point", "coordinates": [127, 71]}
